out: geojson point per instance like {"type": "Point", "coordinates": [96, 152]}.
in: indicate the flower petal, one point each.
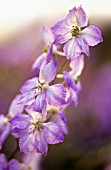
{"type": "Point", "coordinates": [27, 98]}
{"type": "Point", "coordinates": [39, 102]}
{"type": "Point", "coordinates": [42, 145]}
{"type": "Point", "coordinates": [54, 133]}
{"type": "Point", "coordinates": [81, 17]}
{"type": "Point", "coordinates": [77, 66]}
{"type": "Point", "coordinates": [15, 108]}
{"type": "Point", "coordinates": [47, 35]}
{"type": "Point", "coordinates": [39, 61]}
{"type": "Point", "coordinates": [63, 38]}
{"type": "Point", "coordinates": [3, 162]}
{"type": "Point", "coordinates": [14, 165]}
{"type": "Point", "coordinates": [60, 28]}
{"type": "Point", "coordinates": [55, 95]}
{"type": "Point", "coordinates": [92, 35]}
{"type": "Point", "coordinates": [47, 72]}
{"type": "Point", "coordinates": [29, 85]}
{"type": "Point", "coordinates": [72, 49]}
{"type": "Point", "coordinates": [69, 81]}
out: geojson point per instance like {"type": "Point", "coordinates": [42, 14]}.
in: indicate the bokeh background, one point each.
{"type": "Point", "coordinates": [88, 146]}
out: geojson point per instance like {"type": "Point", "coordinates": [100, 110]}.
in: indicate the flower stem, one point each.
{"type": "Point", "coordinates": [60, 53]}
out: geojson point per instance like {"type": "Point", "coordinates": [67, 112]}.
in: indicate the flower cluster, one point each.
{"type": "Point", "coordinates": [36, 116]}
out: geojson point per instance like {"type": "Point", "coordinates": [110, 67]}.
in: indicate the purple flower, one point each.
{"type": "Point", "coordinates": [4, 129]}
{"type": "Point", "coordinates": [37, 91]}
{"type": "Point", "coordinates": [34, 134]}
{"type": "Point", "coordinates": [70, 31]}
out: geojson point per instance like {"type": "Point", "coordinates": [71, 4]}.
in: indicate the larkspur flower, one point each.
{"type": "Point", "coordinates": [38, 92]}
{"type": "Point", "coordinates": [34, 133]}
{"type": "Point", "coordinates": [70, 31]}
{"type": "Point", "coordinates": [4, 129]}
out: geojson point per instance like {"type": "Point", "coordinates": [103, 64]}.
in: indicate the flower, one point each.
{"type": "Point", "coordinates": [34, 133]}
{"type": "Point", "coordinates": [70, 31]}
{"type": "Point", "coordinates": [37, 91]}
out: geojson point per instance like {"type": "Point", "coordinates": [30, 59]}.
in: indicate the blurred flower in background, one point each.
{"type": "Point", "coordinates": [88, 145]}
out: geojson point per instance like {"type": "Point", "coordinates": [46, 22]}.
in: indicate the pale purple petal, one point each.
{"type": "Point", "coordinates": [40, 102]}
{"type": "Point", "coordinates": [27, 98]}
{"type": "Point", "coordinates": [74, 97]}
{"type": "Point", "coordinates": [63, 122]}
{"type": "Point", "coordinates": [29, 85]}
{"type": "Point", "coordinates": [92, 35]}
{"type": "Point", "coordinates": [48, 72]}
{"type": "Point", "coordinates": [54, 133]}
{"type": "Point", "coordinates": [69, 81]}
{"type": "Point", "coordinates": [82, 43]}
{"type": "Point", "coordinates": [14, 165]}
{"type": "Point", "coordinates": [81, 17]}
{"type": "Point", "coordinates": [20, 121]}
{"type": "Point", "coordinates": [61, 28]}
{"type": "Point", "coordinates": [72, 49]}
{"type": "Point", "coordinates": [41, 137]}
{"type": "Point", "coordinates": [27, 141]}
{"type": "Point", "coordinates": [15, 108]}
{"type": "Point", "coordinates": [55, 95]}
{"type": "Point", "coordinates": [71, 18]}
{"type": "Point", "coordinates": [39, 61]}
{"type": "Point", "coordinates": [63, 38]}
{"type": "Point", "coordinates": [3, 162]}
{"type": "Point", "coordinates": [47, 35]}
{"type": "Point", "coordinates": [77, 65]}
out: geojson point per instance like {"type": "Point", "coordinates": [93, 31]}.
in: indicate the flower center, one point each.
{"type": "Point", "coordinates": [75, 31]}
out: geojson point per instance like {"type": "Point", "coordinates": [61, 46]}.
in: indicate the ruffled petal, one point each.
{"type": "Point", "coordinates": [54, 133]}
{"type": "Point", "coordinates": [92, 35]}
{"type": "Point", "coordinates": [55, 95]}
{"type": "Point", "coordinates": [69, 81]}
{"type": "Point", "coordinates": [47, 72]}
{"type": "Point", "coordinates": [29, 85]}
{"type": "Point", "coordinates": [81, 17]}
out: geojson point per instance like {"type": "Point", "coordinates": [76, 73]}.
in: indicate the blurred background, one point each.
{"type": "Point", "coordinates": [88, 146]}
